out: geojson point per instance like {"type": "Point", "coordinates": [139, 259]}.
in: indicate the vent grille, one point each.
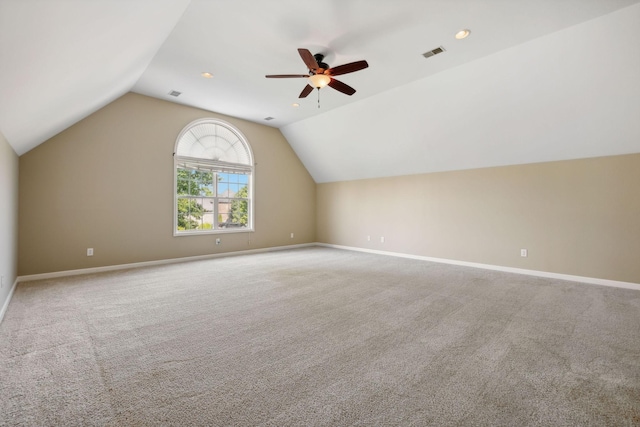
{"type": "Point", "coordinates": [433, 52]}
{"type": "Point", "coordinates": [268, 118]}
{"type": "Point", "coordinates": [175, 93]}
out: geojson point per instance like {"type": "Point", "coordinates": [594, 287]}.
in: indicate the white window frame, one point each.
{"type": "Point", "coordinates": [215, 167]}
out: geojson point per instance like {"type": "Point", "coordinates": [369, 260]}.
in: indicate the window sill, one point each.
{"type": "Point", "coordinates": [208, 233]}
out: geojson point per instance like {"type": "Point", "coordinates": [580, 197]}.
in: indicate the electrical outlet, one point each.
{"type": "Point", "coordinates": [292, 235]}
{"type": "Point", "coordinates": [368, 238]}
{"type": "Point", "coordinates": [89, 251]}
{"type": "Point", "coordinates": [249, 242]}
{"type": "Point", "coordinates": [524, 253]}
{"type": "Point", "coordinates": [382, 239]}
{"type": "Point", "coordinates": [217, 241]}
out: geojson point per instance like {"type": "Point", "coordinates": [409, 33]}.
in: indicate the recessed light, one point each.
{"type": "Point", "coordinates": [295, 104]}
{"type": "Point", "coordinates": [462, 34]}
{"type": "Point", "coordinates": [207, 75]}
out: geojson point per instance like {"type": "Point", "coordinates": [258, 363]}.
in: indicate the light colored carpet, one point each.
{"type": "Point", "coordinates": [319, 336]}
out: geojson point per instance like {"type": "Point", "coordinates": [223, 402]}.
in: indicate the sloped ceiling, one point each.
{"type": "Point", "coordinates": [537, 80]}
{"type": "Point", "coordinates": [571, 94]}
{"type": "Point", "coordinates": [61, 60]}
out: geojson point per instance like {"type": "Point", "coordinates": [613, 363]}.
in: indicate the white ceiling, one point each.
{"type": "Point", "coordinates": [61, 60]}
{"type": "Point", "coordinates": [507, 94]}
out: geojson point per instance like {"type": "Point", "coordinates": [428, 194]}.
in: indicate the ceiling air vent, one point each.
{"type": "Point", "coordinates": [268, 118]}
{"type": "Point", "coordinates": [175, 93]}
{"type": "Point", "coordinates": [433, 52]}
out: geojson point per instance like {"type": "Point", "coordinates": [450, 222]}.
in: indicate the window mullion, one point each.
{"type": "Point", "coordinates": [215, 213]}
{"type": "Point", "coordinates": [214, 178]}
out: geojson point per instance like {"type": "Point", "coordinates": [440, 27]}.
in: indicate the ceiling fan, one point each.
{"type": "Point", "coordinates": [321, 75]}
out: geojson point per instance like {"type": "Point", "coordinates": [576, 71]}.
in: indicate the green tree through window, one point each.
{"type": "Point", "coordinates": [190, 212]}
{"type": "Point", "coordinates": [239, 208]}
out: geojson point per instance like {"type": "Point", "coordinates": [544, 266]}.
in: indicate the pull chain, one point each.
{"type": "Point", "coordinates": [318, 97]}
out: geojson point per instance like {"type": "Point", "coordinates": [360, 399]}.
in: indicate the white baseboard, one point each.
{"type": "Point", "coordinates": [93, 270]}
{"type": "Point", "coordinates": [581, 279]}
{"type": "Point", "coordinates": [5, 306]}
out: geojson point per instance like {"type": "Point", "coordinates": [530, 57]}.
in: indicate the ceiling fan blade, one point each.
{"type": "Point", "coordinates": [347, 68]}
{"type": "Point", "coordinates": [308, 59]}
{"type": "Point", "coordinates": [341, 87]}
{"type": "Point", "coordinates": [306, 91]}
{"type": "Point", "coordinates": [287, 76]}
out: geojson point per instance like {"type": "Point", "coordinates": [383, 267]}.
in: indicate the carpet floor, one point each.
{"type": "Point", "coordinates": [318, 337]}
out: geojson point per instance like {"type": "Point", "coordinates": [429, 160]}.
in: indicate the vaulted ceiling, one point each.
{"type": "Point", "coordinates": [537, 80]}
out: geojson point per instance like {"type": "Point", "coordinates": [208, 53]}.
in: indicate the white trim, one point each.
{"type": "Point", "coordinates": [215, 231]}
{"type": "Point", "coordinates": [5, 306]}
{"type": "Point", "coordinates": [93, 270]}
{"type": "Point", "coordinates": [250, 169]}
{"type": "Point", "coordinates": [581, 279]}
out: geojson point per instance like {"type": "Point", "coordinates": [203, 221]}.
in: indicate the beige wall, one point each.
{"type": "Point", "coordinates": [8, 219]}
{"type": "Point", "coordinates": [579, 217]}
{"type": "Point", "coordinates": [107, 183]}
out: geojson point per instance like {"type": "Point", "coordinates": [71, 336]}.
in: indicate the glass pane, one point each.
{"type": "Point", "coordinates": [223, 212]}
{"type": "Point", "coordinates": [207, 221]}
{"type": "Point", "coordinates": [243, 192]}
{"type": "Point", "coordinates": [223, 186]}
{"type": "Point", "coordinates": [199, 176]}
{"type": "Point", "coordinates": [231, 185]}
{"type": "Point", "coordinates": [233, 213]}
{"type": "Point", "coordinates": [183, 187]}
{"type": "Point", "coordinates": [193, 188]}
{"type": "Point", "coordinates": [198, 205]}
{"type": "Point", "coordinates": [195, 213]}
{"type": "Point", "coordinates": [205, 189]}
{"type": "Point", "coordinates": [182, 214]}
{"type": "Point", "coordinates": [207, 205]}
{"type": "Point", "coordinates": [189, 213]}
{"type": "Point", "coordinates": [182, 181]}
{"type": "Point", "coordinates": [223, 220]}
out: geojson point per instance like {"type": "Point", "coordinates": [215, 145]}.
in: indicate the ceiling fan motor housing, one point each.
{"type": "Point", "coordinates": [319, 57]}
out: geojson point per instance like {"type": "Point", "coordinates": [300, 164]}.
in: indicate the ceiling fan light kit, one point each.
{"type": "Point", "coordinates": [321, 75]}
{"type": "Point", "coordinates": [319, 80]}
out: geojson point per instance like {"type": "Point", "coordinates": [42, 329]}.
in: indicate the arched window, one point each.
{"type": "Point", "coordinates": [213, 167]}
